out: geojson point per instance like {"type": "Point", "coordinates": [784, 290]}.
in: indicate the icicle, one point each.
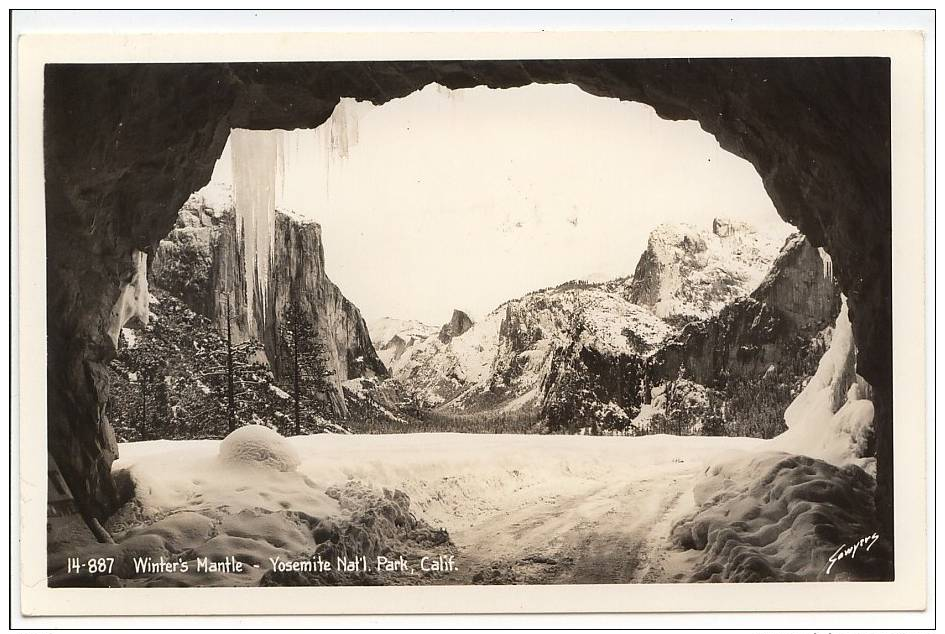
{"type": "Point", "coordinates": [342, 129]}
{"type": "Point", "coordinates": [256, 158]}
{"type": "Point", "coordinates": [284, 161]}
{"type": "Point", "coordinates": [828, 263]}
{"type": "Point", "coordinates": [133, 301]}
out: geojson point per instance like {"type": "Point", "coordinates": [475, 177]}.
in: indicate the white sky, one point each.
{"type": "Point", "coordinates": [468, 198]}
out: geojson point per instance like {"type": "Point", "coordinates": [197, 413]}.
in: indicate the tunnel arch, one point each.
{"type": "Point", "coordinates": [126, 144]}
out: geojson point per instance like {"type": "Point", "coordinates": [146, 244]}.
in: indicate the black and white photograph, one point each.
{"type": "Point", "coordinates": [469, 322]}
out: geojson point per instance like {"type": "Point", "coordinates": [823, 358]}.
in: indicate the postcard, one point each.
{"type": "Point", "coordinates": [472, 322]}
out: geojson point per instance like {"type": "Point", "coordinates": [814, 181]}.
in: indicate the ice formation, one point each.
{"type": "Point", "coordinates": [831, 418]}
{"type": "Point", "coordinates": [256, 445]}
{"type": "Point", "coordinates": [258, 171]}
{"type": "Point", "coordinates": [343, 129]}
{"type": "Point", "coordinates": [828, 263]}
{"type": "Point", "coordinates": [133, 300]}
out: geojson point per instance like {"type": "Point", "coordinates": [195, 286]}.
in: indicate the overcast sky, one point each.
{"type": "Point", "coordinates": [468, 198]}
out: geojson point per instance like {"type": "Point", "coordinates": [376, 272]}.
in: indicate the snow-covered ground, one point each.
{"type": "Point", "coordinates": [518, 507]}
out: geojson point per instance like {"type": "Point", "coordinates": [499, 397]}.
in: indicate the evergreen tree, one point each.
{"type": "Point", "coordinates": [231, 371]}
{"type": "Point", "coordinates": [149, 374]}
{"type": "Point", "coordinates": [170, 378]}
{"type": "Point", "coordinates": [714, 422]}
{"type": "Point", "coordinates": [307, 357]}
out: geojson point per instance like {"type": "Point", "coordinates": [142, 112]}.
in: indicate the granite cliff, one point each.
{"type": "Point", "coordinates": [797, 299]}
{"type": "Point", "coordinates": [200, 261]}
{"type": "Point", "coordinates": [686, 273]}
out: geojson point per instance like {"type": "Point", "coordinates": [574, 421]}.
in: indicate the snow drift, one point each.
{"type": "Point", "coordinates": [369, 495]}
{"type": "Point", "coordinates": [775, 517]}
{"type": "Point", "coordinates": [244, 500]}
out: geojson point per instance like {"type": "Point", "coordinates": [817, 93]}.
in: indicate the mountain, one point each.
{"type": "Point", "coordinates": [202, 262]}
{"type": "Point", "coordinates": [758, 352]}
{"type": "Point", "coordinates": [717, 324]}
{"type": "Point", "coordinates": [457, 326]}
{"type": "Point", "coordinates": [383, 330]}
{"type": "Point", "coordinates": [501, 361]}
{"type": "Point", "coordinates": [512, 359]}
{"type": "Point", "coordinates": [391, 337]}
{"type": "Point", "coordinates": [796, 300]}
{"type": "Point", "coordinates": [686, 273]}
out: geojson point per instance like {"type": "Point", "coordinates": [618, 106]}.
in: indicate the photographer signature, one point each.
{"type": "Point", "coordinates": [850, 551]}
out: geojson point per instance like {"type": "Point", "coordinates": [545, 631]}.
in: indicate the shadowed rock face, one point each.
{"type": "Point", "coordinates": [458, 324]}
{"type": "Point", "coordinates": [125, 146]}
{"type": "Point", "coordinates": [796, 300]}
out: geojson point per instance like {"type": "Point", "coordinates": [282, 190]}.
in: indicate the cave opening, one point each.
{"type": "Point", "coordinates": [816, 131]}
{"type": "Point", "coordinates": [441, 190]}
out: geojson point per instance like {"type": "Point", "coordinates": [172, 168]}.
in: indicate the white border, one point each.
{"type": "Point", "coordinates": [908, 285]}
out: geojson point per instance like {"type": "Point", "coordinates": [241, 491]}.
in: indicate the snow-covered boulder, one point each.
{"type": "Point", "coordinates": [256, 445]}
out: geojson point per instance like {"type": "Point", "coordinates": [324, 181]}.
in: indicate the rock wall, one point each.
{"type": "Point", "coordinates": [201, 261]}
{"type": "Point", "coordinates": [126, 144]}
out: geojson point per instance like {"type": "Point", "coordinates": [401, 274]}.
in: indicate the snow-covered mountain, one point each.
{"type": "Point", "coordinates": [392, 337]}
{"type": "Point", "coordinates": [686, 273]}
{"type": "Point", "coordinates": [386, 328]}
{"type": "Point", "coordinates": [512, 358]}
{"type": "Point", "coordinates": [502, 360]}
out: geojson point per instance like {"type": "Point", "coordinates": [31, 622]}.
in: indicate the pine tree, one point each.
{"type": "Point", "coordinates": [228, 368]}
{"type": "Point", "coordinates": [149, 369]}
{"type": "Point", "coordinates": [307, 357]}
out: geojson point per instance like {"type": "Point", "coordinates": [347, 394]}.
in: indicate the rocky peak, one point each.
{"type": "Point", "coordinates": [458, 324]}
{"type": "Point", "coordinates": [725, 228]}
{"type": "Point", "coordinates": [686, 273]}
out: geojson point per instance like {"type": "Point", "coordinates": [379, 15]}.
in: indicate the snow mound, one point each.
{"type": "Point", "coordinates": [259, 446]}
{"type": "Point", "coordinates": [775, 517]}
{"type": "Point", "coordinates": [189, 506]}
